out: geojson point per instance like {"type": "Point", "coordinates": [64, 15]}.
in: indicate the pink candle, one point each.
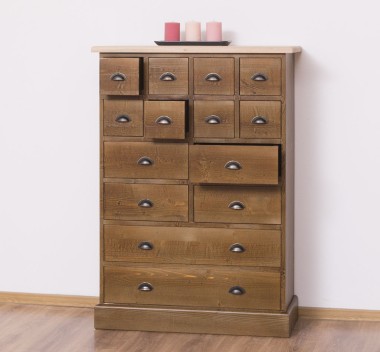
{"type": "Point", "coordinates": [214, 31]}
{"type": "Point", "coordinates": [172, 31]}
{"type": "Point", "coordinates": [193, 31]}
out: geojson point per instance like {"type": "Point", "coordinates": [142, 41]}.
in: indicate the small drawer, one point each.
{"type": "Point", "coordinates": [214, 119]}
{"type": "Point", "coordinates": [120, 76]}
{"type": "Point", "coordinates": [256, 205]}
{"type": "Point", "coordinates": [152, 202]}
{"type": "Point", "coordinates": [260, 119]}
{"type": "Point", "coordinates": [164, 119]}
{"type": "Point", "coordinates": [214, 76]}
{"type": "Point", "coordinates": [188, 245]}
{"type": "Point", "coordinates": [193, 286]}
{"type": "Point", "coordinates": [260, 76]}
{"type": "Point", "coordinates": [220, 164]}
{"type": "Point", "coordinates": [169, 76]}
{"type": "Point", "coordinates": [146, 160]}
{"type": "Point", "coordinates": [123, 117]}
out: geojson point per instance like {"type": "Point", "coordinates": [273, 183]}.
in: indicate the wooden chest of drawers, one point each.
{"type": "Point", "coordinates": [197, 183]}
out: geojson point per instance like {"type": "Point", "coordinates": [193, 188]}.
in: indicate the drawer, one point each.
{"type": "Point", "coordinates": [146, 160]}
{"type": "Point", "coordinates": [257, 205]}
{"type": "Point", "coordinates": [196, 286]}
{"type": "Point", "coordinates": [153, 202]}
{"type": "Point", "coordinates": [214, 119]}
{"type": "Point", "coordinates": [120, 76]}
{"type": "Point", "coordinates": [169, 76]}
{"type": "Point", "coordinates": [260, 119]}
{"type": "Point", "coordinates": [123, 117]}
{"type": "Point", "coordinates": [164, 119]}
{"type": "Point", "coordinates": [220, 164]}
{"type": "Point", "coordinates": [260, 76]}
{"type": "Point", "coordinates": [187, 245]}
{"type": "Point", "coordinates": [214, 76]}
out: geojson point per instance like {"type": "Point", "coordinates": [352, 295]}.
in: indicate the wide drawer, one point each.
{"type": "Point", "coordinates": [187, 245]}
{"type": "Point", "coordinates": [260, 76]}
{"type": "Point", "coordinates": [153, 202]}
{"type": "Point", "coordinates": [196, 286]}
{"type": "Point", "coordinates": [221, 164]}
{"type": "Point", "coordinates": [146, 160]}
{"type": "Point", "coordinates": [260, 119]}
{"type": "Point", "coordinates": [214, 76]}
{"type": "Point", "coordinates": [120, 76]}
{"type": "Point", "coordinates": [169, 76]}
{"type": "Point", "coordinates": [164, 119]}
{"type": "Point", "coordinates": [123, 117]}
{"type": "Point", "coordinates": [214, 119]}
{"type": "Point", "coordinates": [234, 204]}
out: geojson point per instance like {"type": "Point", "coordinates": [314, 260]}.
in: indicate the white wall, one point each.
{"type": "Point", "coordinates": [49, 135]}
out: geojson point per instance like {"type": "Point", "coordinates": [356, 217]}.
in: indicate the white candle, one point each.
{"type": "Point", "coordinates": [193, 31]}
{"type": "Point", "coordinates": [214, 31]}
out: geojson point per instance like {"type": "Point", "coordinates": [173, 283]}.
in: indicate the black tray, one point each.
{"type": "Point", "coordinates": [221, 43]}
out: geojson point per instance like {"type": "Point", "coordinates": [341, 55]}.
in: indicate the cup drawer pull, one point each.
{"type": "Point", "coordinates": [259, 77]}
{"type": "Point", "coordinates": [233, 165]}
{"type": "Point", "coordinates": [118, 76]}
{"type": "Point", "coordinates": [145, 203]}
{"type": "Point", "coordinates": [259, 120]}
{"type": "Point", "coordinates": [145, 287]}
{"type": "Point", "coordinates": [164, 120]}
{"type": "Point", "coordinates": [236, 290]}
{"type": "Point", "coordinates": [213, 77]}
{"type": "Point", "coordinates": [236, 205]}
{"type": "Point", "coordinates": [213, 120]}
{"type": "Point", "coordinates": [145, 161]}
{"type": "Point", "coordinates": [145, 246]}
{"type": "Point", "coordinates": [237, 248]}
{"type": "Point", "coordinates": [168, 76]}
{"type": "Point", "coordinates": [123, 119]}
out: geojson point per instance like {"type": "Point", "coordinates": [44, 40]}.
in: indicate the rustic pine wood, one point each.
{"type": "Point", "coordinates": [258, 164]}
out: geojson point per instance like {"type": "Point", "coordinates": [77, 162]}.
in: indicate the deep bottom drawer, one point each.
{"type": "Point", "coordinates": [196, 286]}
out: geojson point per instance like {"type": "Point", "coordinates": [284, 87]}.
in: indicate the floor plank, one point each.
{"type": "Point", "coordinates": [32, 328]}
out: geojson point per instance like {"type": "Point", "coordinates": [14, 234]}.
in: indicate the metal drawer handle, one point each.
{"type": "Point", "coordinates": [259, 77]}
{"type": "Point", "coordinates": [145, 246]}
{"type": "Point", "coordinates": [213, 120]}
{"type": "Point", "coordinates": [123, 119]}
{"type": "Point", "coordinates": [164, 120]}
{"type": "Point", "coordinates": [145, 203]}
{"type": "Point", "coordinates": [213, 77]}
{"type": "Point", "coordinates": [233, 165]}
{"type": "Point", "coordinates": [236, 290]}
{"type": "Point", "coordinates": [259, 120]}
{"type": "Point", "coordinates": [118, 76]}
{"type": "Point", "coordinates": [145, 287]}
{"type": "Point", "coordinates": [145, 161]}
{"type": "Point", "coordinates": [237, 248]}
{"type": "Point", "coordinates": [168, 76]}
{"type": "Point", "coordinates": [236, 205]}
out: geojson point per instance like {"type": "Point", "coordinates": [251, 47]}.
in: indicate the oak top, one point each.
{"type": "Point", "coordinates": [199, 49]}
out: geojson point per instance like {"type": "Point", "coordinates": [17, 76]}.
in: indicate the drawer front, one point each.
{"type": "Point", "coordinates": [221, 164]}
{"type": "Point", "coordinates": [260, 76]}
{"type": "Point", "coordinates": [186, 245]}
{"type": "Point", "coordinates": [214, 76]}
{"type": "Point", "coordinates": [260, 119]}
{"type": "Point", "coordinates": [146, 160]}
{"type": "Point", "coordinates": [123, 117]}
{"type": "Point", "coordinates": [145, 202]}
{"type": "Point", "coordinates": [164, 119]}
{"type": "Point", "coordinates": [196, 286]}
{"type": "Point", "coordinates": [169, 76]}
{"type": "Point", "coordinates": [120, 76]}
{"type": "Point", "coordinates": [258, 205]}
{"type": "Point", "coordinates": [214, 119]}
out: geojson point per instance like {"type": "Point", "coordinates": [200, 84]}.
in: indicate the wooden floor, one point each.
{"type": "Point", "coordinates": [33, 328]}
